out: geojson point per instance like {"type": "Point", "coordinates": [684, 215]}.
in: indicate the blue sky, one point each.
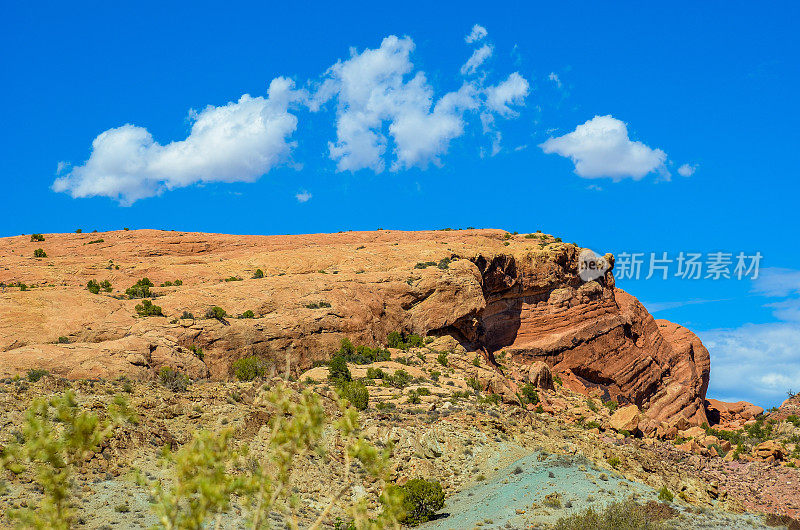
{"type": "Point", "coordinates": [575, 119]}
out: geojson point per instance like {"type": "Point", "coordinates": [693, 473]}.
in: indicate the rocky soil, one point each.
{"type": "Point", "coordinates": [497, 462]}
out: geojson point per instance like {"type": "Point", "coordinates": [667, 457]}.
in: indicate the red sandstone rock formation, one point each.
{"type": "Point", "coordinates": [491, 291]}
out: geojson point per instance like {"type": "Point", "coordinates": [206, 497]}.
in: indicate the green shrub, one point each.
{"type": "Point", "coordinates": [611, 405]}
{"type": "Point", "coordinates": [148, 309]}
{"type": "Point", "coordinates": [177, 283]}
{"type": "Point", "coordinates": [425, 264]}
{"type": "Point", "coordinates": [248, 314]}
{"type": "Point", "coordinates": [394, 339]}
{"type": "Point", "coordinates": [423, 391]}
{"type": "Point", "coordinates": [216, 312]}
{"type": "Point", "coordinates": [172, 379]}
{"type": "Point", "coordinates": [318, 305]}
{"type": "Point", "coordinates": [413, 397]}
{"type": "Point", "coordinates": [614, 462]}
{"type": "Point", "coordinates": [36, 237]}
{"type": "Point", "coordinates": [233, 279]}
{"type": "Point", "coordinates": [93, 287]}
{"type": "Point", "coordinates": [401, 341]}
{"type": "Point", "coordinates": [258, 274]}
{"type": "Point", "coordinates": [356, 393]}
{"type": "Point", "coordinates": [444, 263]}
{"type": "Point", "coordinates": [140, 289]}
{"type": "Point", "coordinates": [167, 284]}
{"type": "Point", "coordinates": [665, 495]}
{"type": "Point", "coordinates": [338, 370]}
{"type": "Point", "coordinates": [421, 500]}
{"type": "Point", "coordinates": [198, 352]}
{"type": "Point", "coordinates": [400, 379]}
{"type": "Point", "coordinates": [63, 340]}
{"type": "Point", "coordinates": [435, 375]}
{"type": "Point", "coordinates": [249, 368]}
{"type": "Point", "coordinates": [39, 253]}
{"type": "Point", "coordinates": [442, 358]}
{"type": "Point", "coordinates": [96, 241]}
{"type": "Point", "coordinates": [105, 285]}
{"type": "Point", "coordinates": [187, 315]}
{"type": "Point", "coordinates": [375, 373]}
{"type": "Point", "coordinates": [79, 231]}
{"type": "Point", "coordinates": [530, 394]}
{"type": "Point", "coordinates": [34, 374]}
{"type": "Point", "coordinates": [474, 384]}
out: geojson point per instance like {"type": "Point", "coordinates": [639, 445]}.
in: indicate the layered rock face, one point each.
{"type": "Point", "coordinates": [492, 291]}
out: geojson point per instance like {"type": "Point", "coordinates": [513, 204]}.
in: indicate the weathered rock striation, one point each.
{"type": "Point", "coordinates": [491, 291]}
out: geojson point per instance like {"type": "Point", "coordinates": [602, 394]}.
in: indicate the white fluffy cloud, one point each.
{"type": "Point", "coordinates": [477, 58]}
{"type": "Point", "coordinates": [379, 88]}
{"type": "Point", "coordinates": [303, 196]}
{"type": "Point", "coordinates": [386, 112]}
{"type": "Point", "coordinates": [687, 170]}
{"type": "Point", "coordinates": [756, 362]}
{"type": "Point", "coordinates": [478, 32]}
{"type": "Point", "coordinates": [601, 148]}
{"type": "Point", "coordinates": [237, 142]}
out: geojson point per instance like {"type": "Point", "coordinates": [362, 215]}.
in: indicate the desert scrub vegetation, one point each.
{"type": "Point", "coordinates": [258, 274]}
{"type": "Point", "coordinates": [248, 314]}
{"type": "Point", "coordinates": [318, 305]}
{"type": "Point", "coordinates": [148, 309]}
{"type": "Point", "coordinates": [140, 289]}
{"type": "Point", "coordinates": [626, 515]}
{"type": "Point", "coordinates": [529, 394]}
{"type": "Point", "coordinates": [355, 393]}
{"type": "Point", "coordinates": [216, 312]}
{"type": "Point", "coordinates": [249, 368]}
{"type": "Point", "coordinates": [361, 354]}
{"type": "Point", "coordinates": [37, 238]}
{"type": "Point", "coordinates": [94, 287]}
{"type": "Point", "coordinates": [39, 253]}
{"type": "Point", "coordinates": [173, 379]}
{"type": "Point", "coordinates": [403, 341]}
{"type": "Point", "coordinates": [421, 500]}
{"type": "Point", "coordinates": [57, 436]}
{"type": "Point", "coordinates": [34, 374]}
{"type": "Point", "coordinates": [208, 471]}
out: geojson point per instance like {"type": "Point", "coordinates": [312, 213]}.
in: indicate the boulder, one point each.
{"type": "Point", "coordinates": [625, 419]}
{"type": "Point", "coordinates": [769, 451]}
{"type": "Point", "coordinates": [539, 375]}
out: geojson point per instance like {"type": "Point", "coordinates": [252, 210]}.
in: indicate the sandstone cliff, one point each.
{"type": "Point", "coordinates": [490, 290]}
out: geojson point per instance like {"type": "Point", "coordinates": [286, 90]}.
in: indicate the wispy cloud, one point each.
{"type": "Point", "coordinates": [303, 196]}
{"type": "Point", "coordinates": [755, 362]}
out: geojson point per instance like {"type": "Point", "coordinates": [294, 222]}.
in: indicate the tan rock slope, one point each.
{"type": "Point", "coordinates": [492, 291]}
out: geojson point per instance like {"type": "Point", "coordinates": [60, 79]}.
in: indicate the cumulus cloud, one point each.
{"type": "Point", "coordinates": [478, 32]}
{"type": "Point", "coordinates": [303, 196]}
{"type": "Point", "coordinates": [755, 362]}
{"type": "Point", "coordinates": [601, 148]}
{"type": "Point", "coordinates": [237, 142]}
{"type": "Point", "coordinates": [380, 88]}
{"type": "Point", "coordinates": [477, 58]}
{"type": "Point", "coordinates": [386, 112]}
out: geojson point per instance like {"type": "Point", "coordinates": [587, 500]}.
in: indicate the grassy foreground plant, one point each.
{"type": "Point", "coordinates": [205, 470]}
{"type": "Point", "coordinates": [57, 436]}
